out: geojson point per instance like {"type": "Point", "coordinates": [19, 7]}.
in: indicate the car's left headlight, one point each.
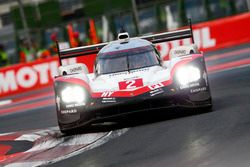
{"type": "Point", "coordinates": [73, 94]}
{"type": "Point", "coordinates": [188, 74]}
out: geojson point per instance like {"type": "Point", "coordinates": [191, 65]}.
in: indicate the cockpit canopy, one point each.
{"type": "Point", "coordinates": [126, 60]}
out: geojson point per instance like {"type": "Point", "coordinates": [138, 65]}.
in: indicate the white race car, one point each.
{"type": "Point", "coordinates": [130, 76]}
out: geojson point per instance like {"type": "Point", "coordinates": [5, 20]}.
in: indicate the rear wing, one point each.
{"type": "Point", "coordinates": [155, 38]}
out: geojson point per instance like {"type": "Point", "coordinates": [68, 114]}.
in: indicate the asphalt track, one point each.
{"type": "Point", "coordinates": [215, 139]}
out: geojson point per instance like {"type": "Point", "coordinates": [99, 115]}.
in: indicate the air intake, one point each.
{"type": "Point", "coordinates": [123, 37]}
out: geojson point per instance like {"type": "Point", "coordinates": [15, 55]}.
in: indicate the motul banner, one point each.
{"type": "Point", "coordinates": [208, 36]}
{"type": "Point", "coordinates": [215, 34]}
{"type": "Point", "coordinates": [24, 77]}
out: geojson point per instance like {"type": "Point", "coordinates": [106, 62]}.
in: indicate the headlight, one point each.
{"type": "Point", "coordinates": [74, 94]}
{"type": "Point", "coordinates": [186, 75]}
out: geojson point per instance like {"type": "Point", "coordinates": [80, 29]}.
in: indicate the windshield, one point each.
{"type": "Point", "coordinates": [119, 61]}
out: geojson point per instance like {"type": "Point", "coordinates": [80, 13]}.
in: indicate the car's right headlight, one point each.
{"type": "Point", "coordinates": [73, 94]}
{"type": "Point", "coordinates": [188, 74]}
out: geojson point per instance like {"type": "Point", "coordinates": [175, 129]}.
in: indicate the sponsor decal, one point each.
{"type": "Point", "coordinates": [71, 111]}
{"type": "Point", "coordinates": [80, 104]}
{"type": "Point", "coordinates": [156, 86]}
{"type": "Point", "coordinates": [139, 70]}
{"type": "Point", "coordinates": [190, 85]}
{"type": "Point", "coordinates": [129, 72]}
{"type": "Point", "coordinates": [198, 90]}
{"type": "Point", "coordinates": [156, 92]}
{"type": "Point", "coordinates": [76, 69]}
{"type": "Point", "coordinates": [130, 78]}
{"type": "Point", "coordinates": [119, 73]}
{"type": "Point", "coordinates": [180, 52]}
{"type": "Point", "coordinates": [107, 94]}
{"type": "Point", "coordinates": [109, 100]}
{"type": "Point", "coordinates": [75, 105]}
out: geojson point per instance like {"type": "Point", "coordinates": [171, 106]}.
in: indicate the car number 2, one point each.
{"type": "Point", "coordinates": [131, 84]}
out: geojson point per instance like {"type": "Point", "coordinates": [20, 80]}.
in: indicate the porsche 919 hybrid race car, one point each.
{"type": "Point", "coordinates": [130, 76]}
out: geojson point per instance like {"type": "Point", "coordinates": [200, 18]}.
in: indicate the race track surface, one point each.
{"type": "Point", "coordinates": [215, 139]}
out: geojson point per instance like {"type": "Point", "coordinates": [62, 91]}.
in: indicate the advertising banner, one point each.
{"type": "Point", "coordinates": [215, 34]}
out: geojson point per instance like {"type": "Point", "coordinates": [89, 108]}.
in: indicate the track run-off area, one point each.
{"type": "Point", "coordinates": [30, 137]}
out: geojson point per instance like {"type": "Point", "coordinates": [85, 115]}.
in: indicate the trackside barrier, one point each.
{"type": "Point", "coordinates": [208, 36]}
{"type": "Point", "coordinates": [216, 34]}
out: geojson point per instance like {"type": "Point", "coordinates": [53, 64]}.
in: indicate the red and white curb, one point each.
{"type": "Point", "coordinates": [49, 146]}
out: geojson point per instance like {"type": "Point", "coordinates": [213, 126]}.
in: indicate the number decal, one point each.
{"type": "Point", "coordinates": [131, 84]}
